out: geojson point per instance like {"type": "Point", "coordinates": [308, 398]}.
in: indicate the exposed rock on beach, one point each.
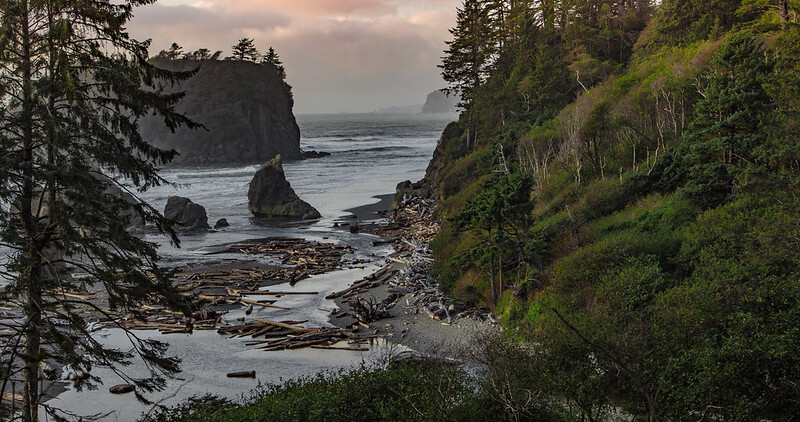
{"type": "Point", "coordinates": [271, 196]}
{"type": "Point", "coordinates": [186, 214]}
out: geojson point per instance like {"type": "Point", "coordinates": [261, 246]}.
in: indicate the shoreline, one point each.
{"type": "Point", "coordinates": [369, 212]}
{"type": "Point", "coordinates": [408, 322]}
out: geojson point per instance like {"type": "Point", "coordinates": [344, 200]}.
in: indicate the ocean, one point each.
{"type": "Point", "coordinates": [370, 154]}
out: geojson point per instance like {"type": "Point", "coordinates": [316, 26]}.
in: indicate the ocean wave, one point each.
{"type": "Point", "coordinates": [215, 173]}
{"type": "Point", "coordinates": [388, 148]}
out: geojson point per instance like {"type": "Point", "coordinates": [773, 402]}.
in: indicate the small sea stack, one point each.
{"type": "Point", "coordinates": [186, 215]}
{"type": "Point", "coordinates": [271, 196]}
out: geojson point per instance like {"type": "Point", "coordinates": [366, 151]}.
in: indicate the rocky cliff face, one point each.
{"type": "Point", "coordinates": [437, 102]}
{"type": "Point", "coordinates": [246, 108]}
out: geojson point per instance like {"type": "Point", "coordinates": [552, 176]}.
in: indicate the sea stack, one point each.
{"type": "Point", "coordinates": [186, 214]}
{"type": "Point", "coordinates": [245, 108]}
{"type": "Point", "coordinates": [271, 196]}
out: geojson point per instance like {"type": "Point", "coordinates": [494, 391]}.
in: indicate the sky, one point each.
{"type": "Point", "coordinates": [340, 55]}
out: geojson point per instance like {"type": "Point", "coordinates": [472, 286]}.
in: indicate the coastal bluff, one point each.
{"type": "Point", "coordinates": [438, 102]}
{"type": "Point", "coordinates": [246, 109]}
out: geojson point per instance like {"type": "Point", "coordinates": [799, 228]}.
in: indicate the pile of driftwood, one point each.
{"type": "Point", "coordinates": [310, 257]}
{"type": "Point", "coordinates": [414, 280]}
{"type": "Point", "coordinates": [214, 291]}
{"type": "Point", "coordinates": [414, 221]}
{"type": "Point", "coordinates": [412, 226]}
{"type": "Point", "coordinates": [169, 322]}
{"type": "Point", "coordinates": [370, 310]}
{"type": "Point", "coordinates": [239, 279]}
{"type": "Point", "coordinates": [273, 335]}
{"type": "Point", "coordinates": [373, 280]}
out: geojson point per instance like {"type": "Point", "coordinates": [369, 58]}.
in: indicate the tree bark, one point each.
{"type": "Point", "coordinates": [784, 14]}
{"type": "Point", "coordinates": [31, 272]}
{"type": "Point", "coordinates": [492, 281]}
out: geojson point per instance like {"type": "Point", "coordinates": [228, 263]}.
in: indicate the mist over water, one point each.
{"type": "Point", "coordinates": [370, 154]}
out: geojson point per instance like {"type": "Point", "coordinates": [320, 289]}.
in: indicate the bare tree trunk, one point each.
{"type": "Point", "coordinates": [30, 275]}
{"type": "Point", "coordinates": [785, 14]}
{"type": "Point", "coordinates": [493, 295]}
{"type": "Point", "coordinates": [500, 281]}
{"type": "Point", "coordinates": [32, 351]}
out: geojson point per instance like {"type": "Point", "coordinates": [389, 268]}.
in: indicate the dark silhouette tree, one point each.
{"type": "Point", "coordinates": [272, 60]}
{"type": "Point", "coordinates": [73, 89]}
{"type": "Point", "coordinates": [200, 54]}
{"type": "Point", "coordinates": [245, 50]}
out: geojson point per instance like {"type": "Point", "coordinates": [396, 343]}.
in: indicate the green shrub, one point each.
{"type": "Point", "coordinates": [405, 391]}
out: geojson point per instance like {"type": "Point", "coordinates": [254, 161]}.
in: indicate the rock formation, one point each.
{"type": "Point", "coordinates": [186, 214]}
{"type": "Point", "coordinates": [407, 190]}
{"type": "Point", "coordinates": [270, 195]}
{"type": "Point", "coordinates": [245, 107]}
{"type": "Point", "coordinates": [136, 223]}
{"type": "Point", "coordinates": [437, 102]}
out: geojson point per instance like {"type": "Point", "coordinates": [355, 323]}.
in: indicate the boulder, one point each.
{"type": "Point", "coordinates": [407, 190]}
{"type": "Point", "coordinates": [315, 154]}
{"type": "Point", "coordinates": [136, 223]}
{"type": "Point", "coordinates": [186, 214]}
{"type": "Point", "coordinates": [270, 195]}
{"type": "Point", "coordinates": [121, 389]}
{"type": "Point", "coordinates": [222, 222]}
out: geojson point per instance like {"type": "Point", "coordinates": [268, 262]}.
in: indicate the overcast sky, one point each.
{"type": "Point", "coordinates": [340, 55]}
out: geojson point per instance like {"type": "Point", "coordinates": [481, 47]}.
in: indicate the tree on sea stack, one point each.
{"type": "Point", "coordinates": [74, 86]}
{"type": "Point", "coordinates": [245, 50]}
{"type": "Point", "coordinates": [272, 60]}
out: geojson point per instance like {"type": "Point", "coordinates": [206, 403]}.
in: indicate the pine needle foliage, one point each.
{"type": "Point", "coordinates": [74, 86]}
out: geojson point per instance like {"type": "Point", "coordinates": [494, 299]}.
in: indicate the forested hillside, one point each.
{"type": "Point", "coordinates": [622, 188]}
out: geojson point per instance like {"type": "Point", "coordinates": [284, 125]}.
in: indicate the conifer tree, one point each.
{"type": "Point", "coordinates": [74, 86]}
{"type": "Point", "coordinates": [175, 51]}
{"type": "Point", "coordinates": [731, 124]}
{"type": "Point", "coordinates": [201, 54]}
{"type": "Point", "coordinates": [469, 55]}
{"type": "Point", "coordinates": [245, 50]}
{"type": "Point", "coordinates": [785, 10]}
{"type": "Point", "coordinates": [271, 59]}
{"type": "Point", "coordinates": [468, 58]}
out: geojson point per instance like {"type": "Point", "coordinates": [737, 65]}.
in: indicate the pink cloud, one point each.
{"type": "Point", "coordinates": [340, 55]}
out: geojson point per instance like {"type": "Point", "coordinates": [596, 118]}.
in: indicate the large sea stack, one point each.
{"type": "Point", "coordinates": [245, 107]}
{"type": "Point", "coordinates": [438, 102]}
{"type": "Point", "coordinates": [270, 195]}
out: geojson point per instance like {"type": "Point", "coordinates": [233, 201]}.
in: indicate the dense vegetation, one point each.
{"type": "Point", "coordinates": [404, 391]}
{"type": "Point", "coordinates": [244, 50]}
{"type": "Point", "coordinates": [622, 187]}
